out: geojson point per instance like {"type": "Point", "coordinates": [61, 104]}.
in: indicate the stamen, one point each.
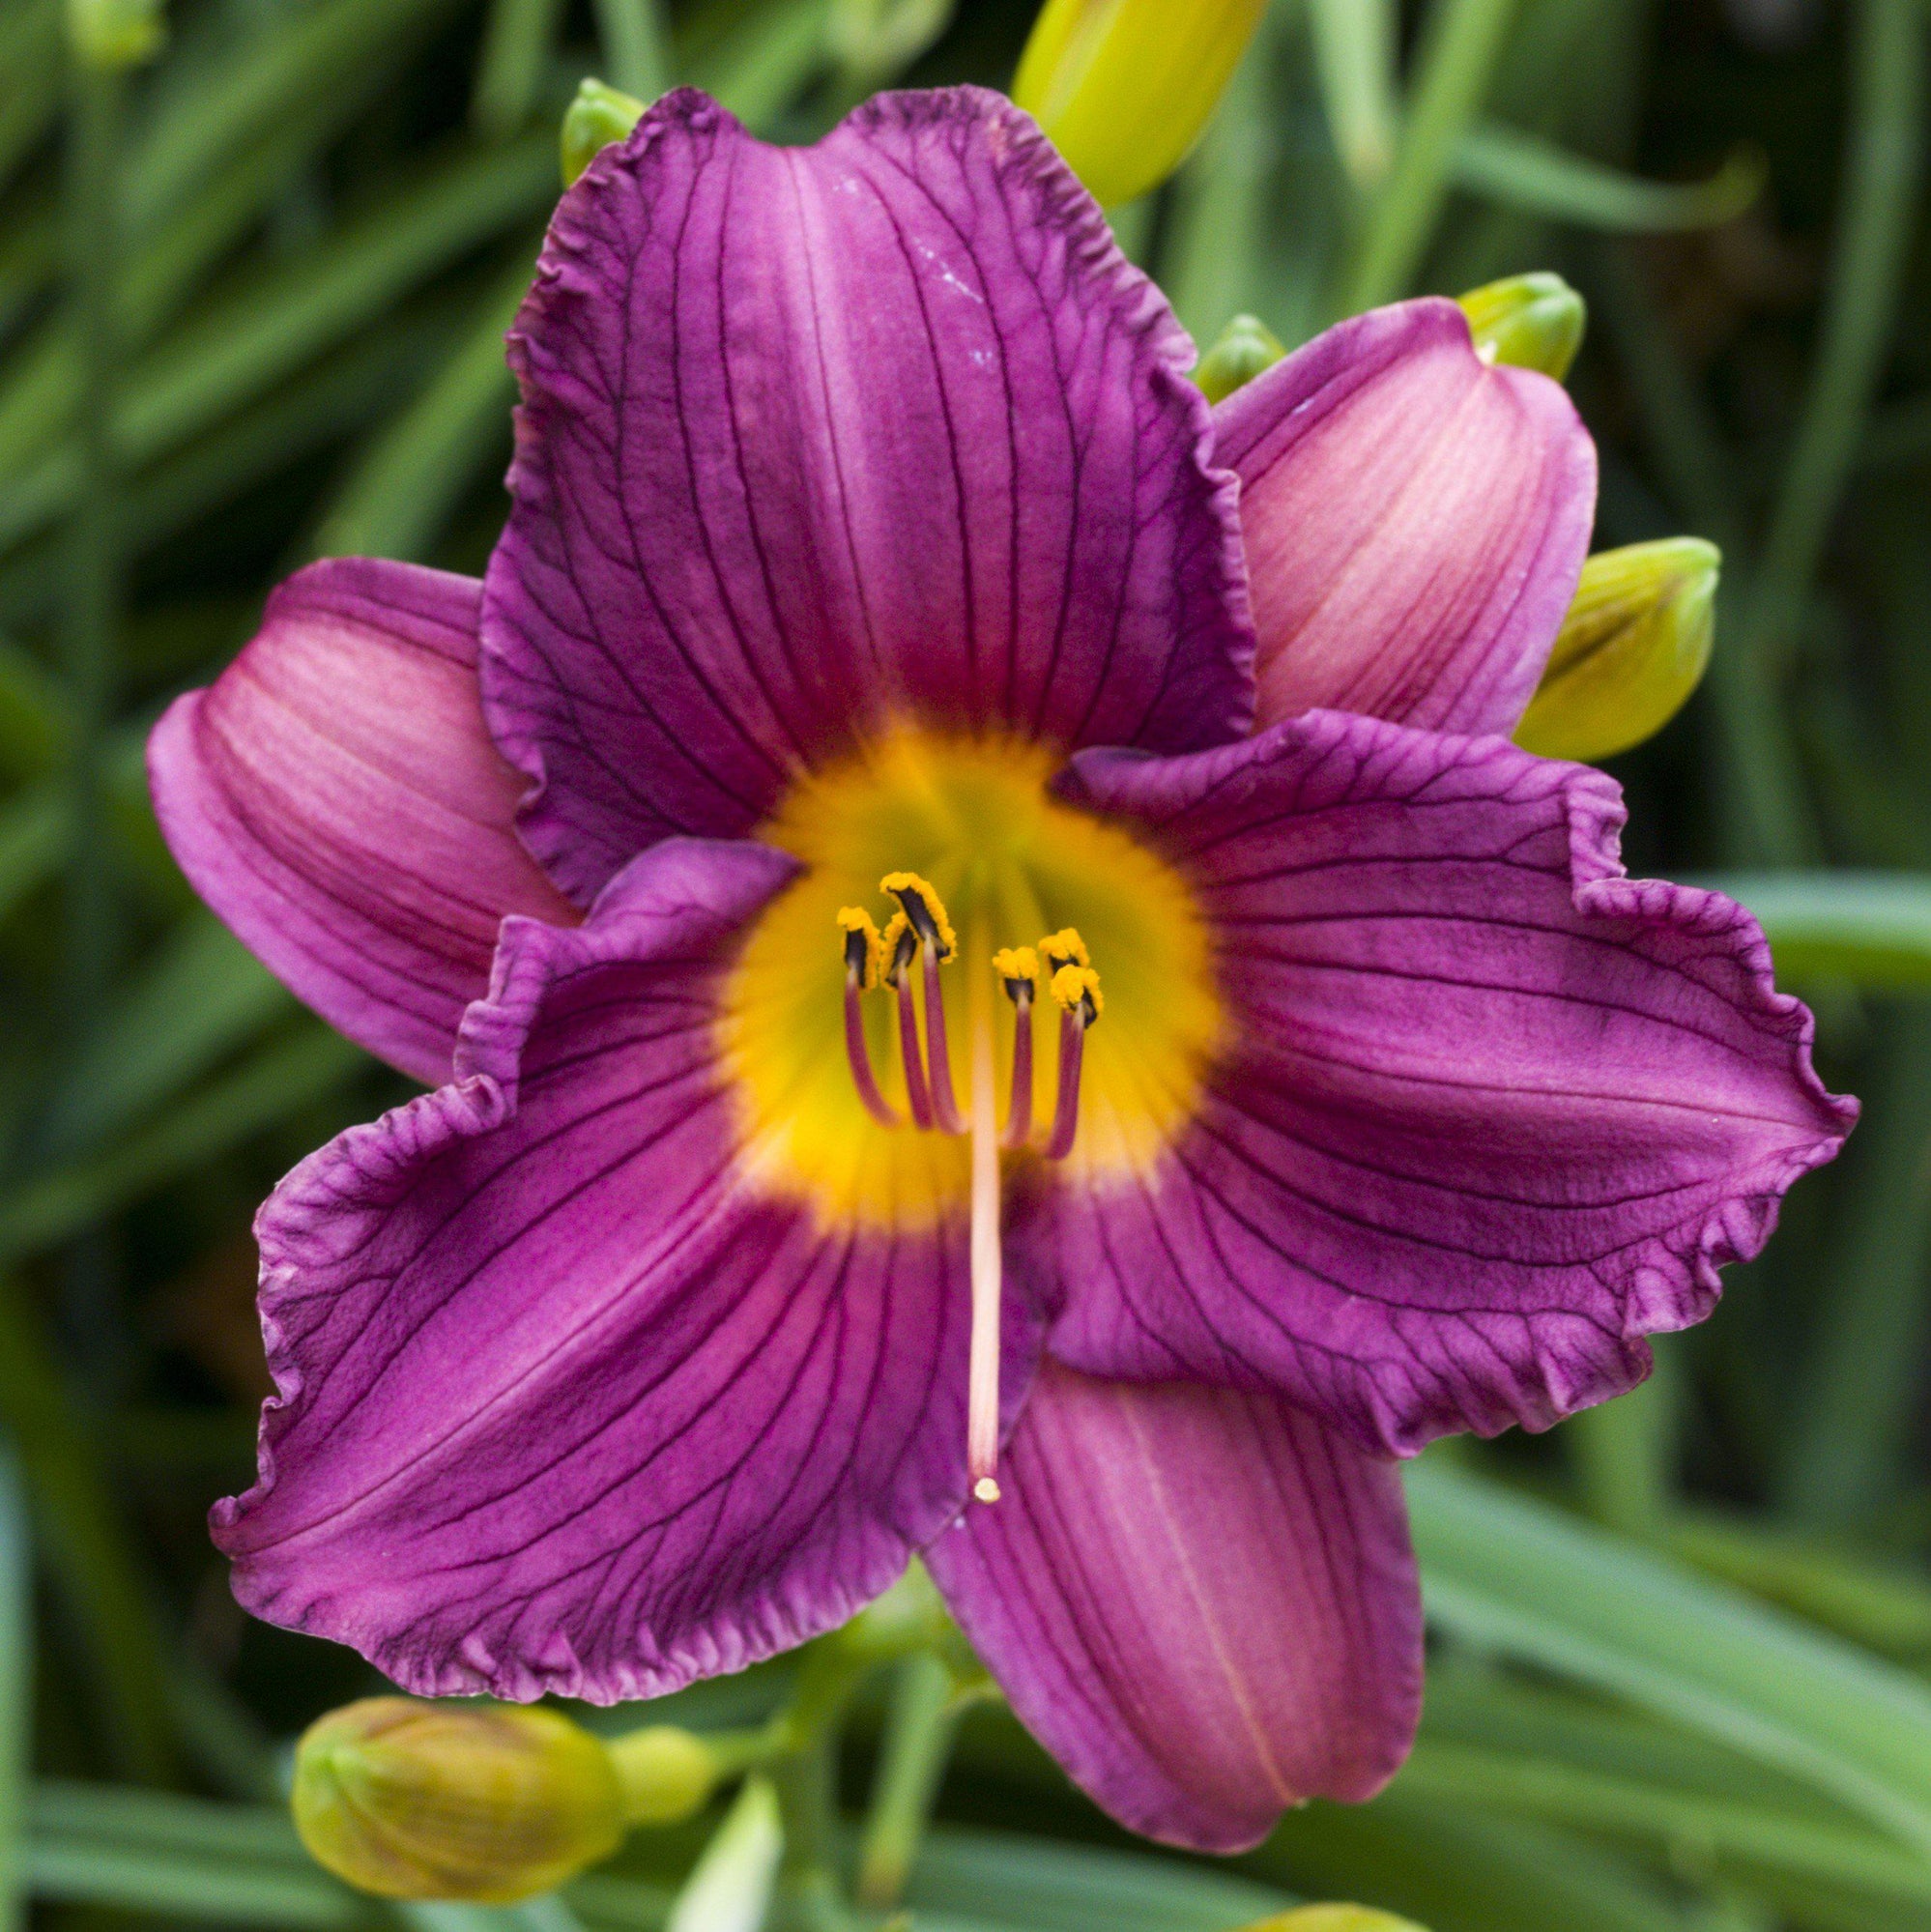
{"type": "Point", "coordinates": [864, 960]}
{"type": "Point", "coordinates": [1018, 968]}
{"type": "Point", "coordinates": [899, 946]}
{"type": "Point", "coordinates": [925, 910]}
{"type": "Point", "coordinates": [1076, 989]}
{"type": "Point", "coordinates": [982, 1397]}
{"type": "Point", "coordinates": [1063, 948]}
{"type": "Point", "coordinates": [925, 913]}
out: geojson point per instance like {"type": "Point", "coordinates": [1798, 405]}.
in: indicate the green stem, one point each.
{"type": "Point", "coordinates": [1861, 1392]}
{"type": "Point", "coordinates": [81, 1539]}
{"type": "Point", "coordinates": [635, 57]}
{"type": "Point", "coordinates": [919, 1727]}
{"type": "Point", "coordinates": [1458, 63]}
{"type": "Point", "coordinates": [1868, 270]}
{"type": "Point", "coordinates": [94, 589]}
{"type": "Point", "coordinates": [16, 1690]}
{"type": "Point", "coordinates": [1625, 1452]}
{"type": "Point", "coordinates": [808, 1890]}
{"type": "Point", "coordinates": [1763, 809]}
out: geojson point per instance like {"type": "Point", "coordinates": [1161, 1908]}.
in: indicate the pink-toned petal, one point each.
{"type": "Point", "coordinates": [1488, 1111]}
{"type": "Point", "coordinates": [335, 797]}
{"type": "Point", "coordinates": [1200, 1601]}
{"type": "Point", "coordinates": [1415, 519]}
{"type": "Point", "coordinates": [567, 1401]}
{"type": "Point", "coordinates": [814, 436]}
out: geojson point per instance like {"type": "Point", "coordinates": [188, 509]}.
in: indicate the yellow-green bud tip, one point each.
{"type": "Point", "coordinates": [1534, 321]}
{"type": "Point", "coordinates": [1631, 651]}
{"type": "Point", "coordinates": [667, 1775]}
{"type": "Point", "coordinates": [113, 34]}
{"type": "Point", "coordinates": [1334, 1918]}
{"type": "Point", "coordinates": [480, 1801]}
{"type": "Point", "coordinates": [1243, 350]}
{"type": "Point", "coordinates": [598, 116]}
{"type": "Point", "coordinates": [1124, 87]}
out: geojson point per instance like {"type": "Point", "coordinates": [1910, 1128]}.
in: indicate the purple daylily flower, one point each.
{"type": "Point", "coordinates": [865, 523]}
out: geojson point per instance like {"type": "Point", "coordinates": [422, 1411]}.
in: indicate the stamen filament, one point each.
{"type": "Point", "coordinates": [859, 1054]}
{"type": "Point", "coordinates": [898, 947]}
{"type": "Point", "coordinates": [1018, 968]}
{"type": "Point", "coordinates": [864, 960]}
{"type": "Point", "coordinates": [939, 1053]}
{"type": "Point", "coordinates": [1018, 1111]}
{"type": "Point", "coordinates": [1076, 989]}
{"type": "Point", "coordinates": [982, 1400]}
{"type": "Point", "coordinates": [1066, 1109]}
{"type": "Point", "coordinates": [917, 1101]}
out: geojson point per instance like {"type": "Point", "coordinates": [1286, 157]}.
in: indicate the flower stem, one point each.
{"type": "Point", "coordinates": [1458, 62]}
{"type": "Point", "coordinates": [808, 1893]}
{"type": "Point", "coordinates": [1868, 270]}
{"type": "Point", "coordinates": [93, 590]}
{"type": "Point", "coordinates": [919, 1727]}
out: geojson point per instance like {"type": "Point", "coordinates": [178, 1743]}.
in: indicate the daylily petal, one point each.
{"type": "Point", "coordinates": [1200, 1601]}
{"type": "Point", "coordinates": [567, 1403]}
{"type": "Point", "coordinates": [1489, 1112]}
{"type": "Point", "coordinates": [336, 798]}
{"type": "Point", "coordinates": [814, 436]}
{"type": "Point", "coordinates": [1415, 518]}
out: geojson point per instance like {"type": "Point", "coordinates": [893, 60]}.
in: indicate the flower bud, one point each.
{"type": "Point", "coordinates": [1240, 351]}
{"type": "Point", "coordinates": [598, 116]}
{"type": "Point", "coordinates": [1629, 652]}
{"type": "Point", "coordinates": [111, 34]}
{"type": "Point", "coordinates": [666, 1775]}
{"type": "Point", "coordinates": [1123, 88]}
{"type": "Point", "coordinates": [490, 1802]}
{"type": "Point", "coordinates": [1534, 321]}
{"type": "Point", "coordinates": [1335, 1918]}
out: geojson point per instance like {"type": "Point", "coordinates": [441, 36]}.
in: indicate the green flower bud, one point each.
{"type": "Point", "coordinates": [1240, 351]}
{"type": "Point", "coordinates": [598, 116]}
{"type": "Point", "coordinates": [1534, 321]}
{"type": "Point", "coordinates": [1629, 652]}
{"type": "Point", "coordinates": [114, 33]}
{"type": "Point", "coordinates": [1335, 1918]}
{"type": "Point", "coordinates": [1124, 87]}
{"type": "Point", "coordinates": [490, 1802]}
{"type": "Point", "coordinates": [667, 1775]}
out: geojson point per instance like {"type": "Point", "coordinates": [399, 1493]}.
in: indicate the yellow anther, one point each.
{"type": "Point", "coordinates": [855, 919]}
{"type": "Point", "coordinates": [891, 965]}
{"type": "Point", "coordinates": [1013, 964]}
{"type": "Point", "coordinates": [1064, 948]}
{"type": "Point", "coordinates": [923, 908]}
{"type": "Point", "coordinates": [1075, 985]}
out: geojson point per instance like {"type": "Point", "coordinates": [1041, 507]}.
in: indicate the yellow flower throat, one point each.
{"type": "Point", "coordinates": [940, 875]}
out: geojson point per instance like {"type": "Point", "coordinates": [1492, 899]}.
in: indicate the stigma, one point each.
{"type": "Point", "coordinates": [921, 935]}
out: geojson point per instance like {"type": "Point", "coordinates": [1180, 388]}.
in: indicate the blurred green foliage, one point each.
{"type": "Point", "coordinates": [253, 293]}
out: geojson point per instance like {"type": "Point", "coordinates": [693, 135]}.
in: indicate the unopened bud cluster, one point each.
{"type": "Point", "coordinates": [1123, 88]}
{"type": "Point", "coordinates": [1530, 322]}
{"type": "Point", "coordinates": [1335, 1918]}
{"type": "Point", "coordinates": [598, 116]}
{"type": "Point", "coordinates": [482, 1801]}
{"type": "Point", "coordinates": [1631, 651]}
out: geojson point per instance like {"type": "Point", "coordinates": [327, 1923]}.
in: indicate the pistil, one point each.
{"type": "Point", "coordinates": [864, 960]}
{"type": "Point", "coordinates": [1018, 968]}
{"type": "Point", "coordinates": [982, 1396]}
{"type": "Point", "coordinates": [1076, 989]}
